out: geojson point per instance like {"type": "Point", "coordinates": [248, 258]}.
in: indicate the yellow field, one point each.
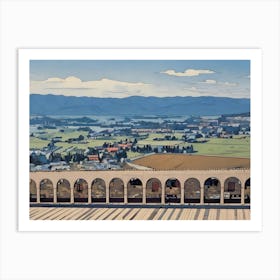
{"type": "Point", "coordinates": [191, 162]}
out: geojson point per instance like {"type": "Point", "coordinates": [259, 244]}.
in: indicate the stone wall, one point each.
{"type": "Point", "coordinates": [126, 175]}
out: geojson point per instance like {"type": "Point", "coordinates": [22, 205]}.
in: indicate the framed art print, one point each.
{"type": "Point", "coordinates": [140, 139]}
{"type": "Point", "coordinates": [132, 131]}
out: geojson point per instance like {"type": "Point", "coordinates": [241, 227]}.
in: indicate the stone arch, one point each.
{"type": "Point", "coordinates": [192, 191]}
{"type": "Point", "coordinates": [63, 191]}
{"type": "Point", "coordinates": [232, 190]}
{"type": "Point", "coordinates": [134, 190]}
{"type": "Point", "coordinates": [153, 191]}
{"type": "Point", "coordinates": [247, 191]}
{"type": "Point", "coordinates": [80, 190]}
{"type": "Point", "coordinates": [172, 191]}
{"type": "Point", "coordinates": [116, 190]}
{"type": "Point", "coordinates": [212, 190]}
{"type": "Point", "coordinates": [46, 190]}
{"type": "Point", "coordinates": [32, 191]}
{"type": "Point", "coordinates": [98, 190]}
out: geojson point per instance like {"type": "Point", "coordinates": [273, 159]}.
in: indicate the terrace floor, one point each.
{"type": "Point", "coordinates": [137, 213]}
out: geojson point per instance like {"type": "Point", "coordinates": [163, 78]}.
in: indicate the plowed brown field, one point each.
{"type": "Point", "coordinates": [191, 162]}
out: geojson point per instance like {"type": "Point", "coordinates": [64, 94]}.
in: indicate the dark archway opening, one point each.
{"type": "Point", "coordinates": [134, 191]}
{"type": "Point", "coordinates": [32, 191]}
{"type": "Point", "coordinates": [46, 191]}
{"type": "Point", "coordinates": [153, 191]}
{"type": "Point", "coordinates": [81, 191]}
{"type": "Point", "coordinates": [192, 191]}
{"type": "Point", "coordinates": [212, 190]}
{"type": "Point", "coordinates": [247, 191]}
{"type": "Point", "coordinates": [116, 190]}
{"type": "Point", "coordinates": [172, 191]}
{"type": "Point", "coordinates": [63, 191]}
{"type": "Point", "coordinates": [98, 191]}
{"type": "Point", "coordinates": [232, 190]}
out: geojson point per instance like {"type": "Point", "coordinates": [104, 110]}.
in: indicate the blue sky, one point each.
{"type": "Point", "coordinates": [124, 78]}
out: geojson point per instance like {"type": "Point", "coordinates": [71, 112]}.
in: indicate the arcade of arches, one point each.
{"type": "Point", "coordinates": [219, 188]}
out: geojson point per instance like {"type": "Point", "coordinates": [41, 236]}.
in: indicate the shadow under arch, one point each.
{"type": "Point", "coordinates": [98, 190]}
{"type": "Point", "coordinates": [63, 190]}
{"type": "Point", "coordinates": [153, 191]}
{"type": "Point", "coordinates": [232, 190]}
{"type": "Point", "coordinates": [81, 191]}
{"type": "Point", "coordinates": [134, 191]}
{"type": "Point", "coordinates": [247, 191]}
{"type": "Point", "coordinates": [192, 191]}
{"type": "Point", "coordinates": [116, 190]}
{"type": "Point", "coordinates": [172, 191]}
{"type": "Point", "coordinates": [46, 191]}
{"type": "Point", "coordinates": [32, 191]}
{"type": "Point", "coordinates": [212, 190]}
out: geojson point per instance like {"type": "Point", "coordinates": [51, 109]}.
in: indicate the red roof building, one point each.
{"type": "Point", "coordinates": [112, 149]}
{"type": "Point", "coordinates": [93, 157]}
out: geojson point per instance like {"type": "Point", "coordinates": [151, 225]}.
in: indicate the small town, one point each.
{"type": "Point", "coordinates": [112, 143]}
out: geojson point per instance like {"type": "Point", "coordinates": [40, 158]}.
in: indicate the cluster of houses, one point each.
{"type": "Point", "coordinates": [113, 155]}
{"type": "Point", "coordinates": [107, 156]}
{"type": "Point", "coordinates": [219, 127]}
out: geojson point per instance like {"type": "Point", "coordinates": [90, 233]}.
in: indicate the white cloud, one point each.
{"type": "Point", "coordinates": [54, 80]}
{"type": "Point", "coordinates": [74, 86]}
{"type": "Point", "coordinates": [214, 82]}
{"type": "Point", "coordinates": [228, 84]}
{"type": "Point", "coordinates": [187, 72]}
{"type": "Point", "coordinates": [209, 82]}
{"type": "Point", "coordinates": [191, 88]}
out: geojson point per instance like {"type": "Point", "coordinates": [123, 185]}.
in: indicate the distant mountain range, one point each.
{"type": "Point", "coordinates": [136, 105]}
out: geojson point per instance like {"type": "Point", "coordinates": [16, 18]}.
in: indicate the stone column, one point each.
{"type": "Point", "coordinates": [144, 194]}
{"type": "Point", "coordinates": [222, 194]}
{"type": "Point", "coordinates": [242, 193]}
{"type": "Point", "coordinates": [125, 193]}
{"type": "Point", "coordinates": [182, 194]}
{"type": "Point", "coordinates": [201, 193]}
{"type": "Point", "coordinates": [89, 194]}
{"type": "Point", "coordinates": [38, 192]}
{"type": "Point", "coordinates": [107, 192]}
{"type": "Point", "coordinates": [71, 194]}
{"type": "Point", "coordinates": [163, 194]}
{"type": "Point", "coordinates": [54, 194]}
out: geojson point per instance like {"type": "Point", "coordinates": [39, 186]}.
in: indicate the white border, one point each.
{"type": "Point", "coordinates": [254, 55]}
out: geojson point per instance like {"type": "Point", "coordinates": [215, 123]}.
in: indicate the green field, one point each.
{"type": "Point", "coordinates": [133, 155]}
{"type": "Point", "coordinates": [150, 141]}
{"type": "Point", "coordinates": [235, 147]}
{"type": "Point", "coordinates": [37, 143]}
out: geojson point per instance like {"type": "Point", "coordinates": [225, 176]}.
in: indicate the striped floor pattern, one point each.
{"type": "Point", "coordinates": [71, 213]}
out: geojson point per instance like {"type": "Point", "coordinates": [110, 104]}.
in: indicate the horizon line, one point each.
{"type": "Point", "coordinates": [176, 96]}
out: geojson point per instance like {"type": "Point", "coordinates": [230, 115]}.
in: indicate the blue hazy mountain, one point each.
{"type": "Point", "coordinates": [136, 105]}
